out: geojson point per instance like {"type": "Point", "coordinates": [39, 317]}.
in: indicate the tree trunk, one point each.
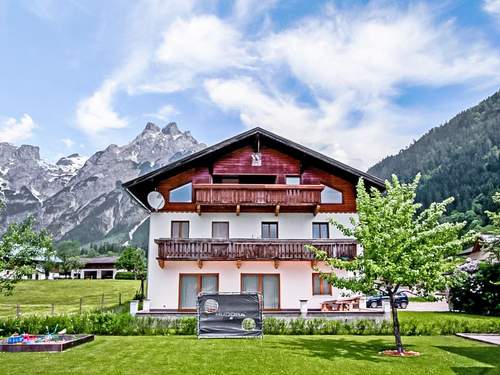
{"type": "Point", "coordinates": [142, 287]}
{"type": "Point", "coordinates": [395, 324]}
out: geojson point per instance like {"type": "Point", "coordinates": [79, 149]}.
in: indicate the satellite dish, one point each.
{"type": "Point", "coordinates": [156, 200]}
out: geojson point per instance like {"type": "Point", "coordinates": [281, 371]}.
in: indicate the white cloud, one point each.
{"type": "Point", "coordinates": [68, 142]}
{"type": "Point", "coordinates": [354, 63]}
{"type": "Point", "coordinates": [324, 128]}
{"type": "Point", "coordinates": [12, 130]}
{"type": "Point", "coordinates": [95, 114]}
{"type": "Point", "coordinates": [351, 64]}
{"type": "Point", "coordinates": [164, 113]}
{"type": "Point", "coordinates": [492, 7]}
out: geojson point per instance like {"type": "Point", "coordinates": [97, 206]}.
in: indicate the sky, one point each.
{"type": "Point", "coordinates": [356, 80]}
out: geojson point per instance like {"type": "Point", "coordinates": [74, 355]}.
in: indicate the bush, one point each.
{"type": "Point", "coordinates": [123, 324]}
{"type": "Point", "coordinates": [123, 275]}
{"type": "Point", "coordinates": [477, 290]}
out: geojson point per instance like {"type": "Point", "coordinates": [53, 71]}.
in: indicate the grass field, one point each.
{"type": "Point", "coordinates": [441, 316]}
{"type": "Point", "coordinates": [272, 355]}
{"type": "Point", "coordinates": [38, 296]}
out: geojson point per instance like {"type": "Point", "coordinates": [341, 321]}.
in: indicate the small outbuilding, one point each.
{"type": "Point", "coordinates": [97, 268]}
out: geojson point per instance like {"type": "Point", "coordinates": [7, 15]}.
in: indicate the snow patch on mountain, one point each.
{"type": "Point", "coordinates": [81, 198]}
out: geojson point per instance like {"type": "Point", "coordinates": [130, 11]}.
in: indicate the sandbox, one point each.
{"type": "Point", "coordinates": [43, 343]}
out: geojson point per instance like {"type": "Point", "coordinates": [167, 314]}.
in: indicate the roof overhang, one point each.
{"type": "Point", "coordinates": [139, 187]}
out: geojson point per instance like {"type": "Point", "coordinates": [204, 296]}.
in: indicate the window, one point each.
{"type": "Point", "coordinates": [190, 285]}
{"type": "Point", "coordinates": [180, 229]}
{"type": "Point", "coordinates": [321, 230]}
{"type": "Point", "coordinates": [181, 194]}
{"type": "Point", "coordinates": [292, 180]}
{"type": "Point", "coordinates": [269, 230]}
{"type": "Point", "coordinates": [320, 286]}
{"type": "Point", "coordinates": [330, 195]}
{"type": "Point", "coordinates": [220, 229]}
{"type": "Point", "coordinates": [267, 284]}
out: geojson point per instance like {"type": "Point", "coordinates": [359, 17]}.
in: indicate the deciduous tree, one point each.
{"type": "Point", "coordinates": [133, 260]}
{"type": "Point", "coordinates": [402, 245]}
{"type": "Point", "coordinates": [20, 247]}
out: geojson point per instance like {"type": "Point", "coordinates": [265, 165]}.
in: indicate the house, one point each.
{"type": "Point", "coordinates": [97, 268]}
{"type": "Point", "coordinates": [236, 216]}
{"type": "Point", "coordinates": [477, 251]}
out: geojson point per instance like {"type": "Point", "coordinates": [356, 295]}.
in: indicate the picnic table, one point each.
{"type": "Point", "coordinates": [343, 304]}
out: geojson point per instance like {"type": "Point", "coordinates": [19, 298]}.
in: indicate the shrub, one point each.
{"type": "Point", "coordinates": [123, 324]}
{"type": "Point", "coordinates": [123, 275]}
{"type": "Point", "coordinates": [477, 290]}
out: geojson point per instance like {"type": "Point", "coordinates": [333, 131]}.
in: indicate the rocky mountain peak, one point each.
{"type": "Point", "coordinates": [28, 152]}
{"type": "Point", "coordinates": [171, 129]}
{"type": "Point", "coordinates": [150, 126]}
{"type": "Point", "coordinates": [82, 199]}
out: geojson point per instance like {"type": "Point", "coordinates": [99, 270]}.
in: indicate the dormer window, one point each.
{"type": "Point", "coordinates": [181, 194]}
{"type": "Point", "coordinates": [331, 195]}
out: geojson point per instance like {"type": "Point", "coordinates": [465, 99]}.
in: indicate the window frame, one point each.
{"type": "Point", "coordinates": [172, 222]}
{"type": "Point", "coordinates": [321, 291]}
{"type": "Point", "coordinates": [262, 223]}
{"type": "Point", "coordinates": [198, 289]}
{"type": "Point", "coordinates": [293, 176]}
{"type": "Point", "coordinates": [320, 223]}
{"type": "Point", "coordinates": [260, 283]}
{"type": "Point", "coordinates": [220, 222]}
{"type": "Point", "coordinates": [333, 188]}
{"type": "Point", "coordinates": [178, 187]}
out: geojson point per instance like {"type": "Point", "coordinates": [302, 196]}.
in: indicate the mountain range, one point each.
{"type": "Point", "coordinates": [82, 199]}
{"type": "Point", "coordinates": [460, 158]}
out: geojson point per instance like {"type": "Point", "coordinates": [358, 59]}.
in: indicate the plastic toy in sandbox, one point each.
{"type": "Point", "coordinates": [50, 342]}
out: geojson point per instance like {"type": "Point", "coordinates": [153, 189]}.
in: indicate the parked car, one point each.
{"type": "Point", "coordinates": [376, 301]}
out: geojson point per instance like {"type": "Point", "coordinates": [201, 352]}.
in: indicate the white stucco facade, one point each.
{"type": "Point", "coordinates": [295, 276]}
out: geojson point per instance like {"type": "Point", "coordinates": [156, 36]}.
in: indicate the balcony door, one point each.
{"type": "Point", "coordinates": [267, 284]}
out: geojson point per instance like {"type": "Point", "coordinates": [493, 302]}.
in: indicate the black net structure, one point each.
{"type": "Point", "coordinates": [229, 315]}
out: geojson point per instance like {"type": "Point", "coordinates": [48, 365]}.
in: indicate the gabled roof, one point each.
{"type": "Point", "coordinates": [142, 185]}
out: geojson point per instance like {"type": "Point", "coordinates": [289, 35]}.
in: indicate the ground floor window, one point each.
{"type": "Point", "coordinates": [192, 284]}
{"type": "Point", "coordinates": [321, 287]}
{"type": "Point", "coordinates": [267, 284]}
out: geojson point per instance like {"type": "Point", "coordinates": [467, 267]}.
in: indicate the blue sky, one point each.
{"type": "Point", "coordinates": [357, 80]}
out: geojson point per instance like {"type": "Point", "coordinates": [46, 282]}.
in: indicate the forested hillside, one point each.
{"type": "Point", "coordinates": [460, 158]}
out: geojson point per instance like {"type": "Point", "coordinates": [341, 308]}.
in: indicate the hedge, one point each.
{"type": "Point", "coordinates": [123, 275]}
{"type": "Point", "coordinates": [109, 323]}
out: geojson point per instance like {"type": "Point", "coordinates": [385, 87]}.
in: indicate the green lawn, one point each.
{"type": "Point", "coordinates": [272, 355]}
{"type": "Point", "coordinates": [38, 296]}
{"type": "Point", "coordinates": [442, 317]}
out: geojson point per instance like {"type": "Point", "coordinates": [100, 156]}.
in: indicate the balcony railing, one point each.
{"type": "Point", "coordinates": [257, 194]}
{"type": "Point", "coordinates": [250, 249]}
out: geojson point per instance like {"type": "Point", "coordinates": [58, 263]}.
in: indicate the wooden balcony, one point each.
{"type": "Point", "coordinates": [276, 195]}
{"type": "Point", "coordinates": [250, 249]}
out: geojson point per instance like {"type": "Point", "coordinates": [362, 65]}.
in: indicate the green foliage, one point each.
{"type": "Point", "coordinates": [123, 324]}
{"type": "Point", "coordinates": [105, 248]}
{"type": "Point", "coordinates": [68, 251]}
{"type": "Point", "coordinates": [20, 245]}
{"type": "Point", "coordinates": [133, 260]}
{"type": "Point", "coordinates": [494, 246]}
{"type": "Point", "coordinates": [403, 245]}
{"type": "Point", "coordinates": [478, 291]}
{"type": "Point", "coordinates": [124, 276]}
{"type": "Point", "coordinates": [460, 158]}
